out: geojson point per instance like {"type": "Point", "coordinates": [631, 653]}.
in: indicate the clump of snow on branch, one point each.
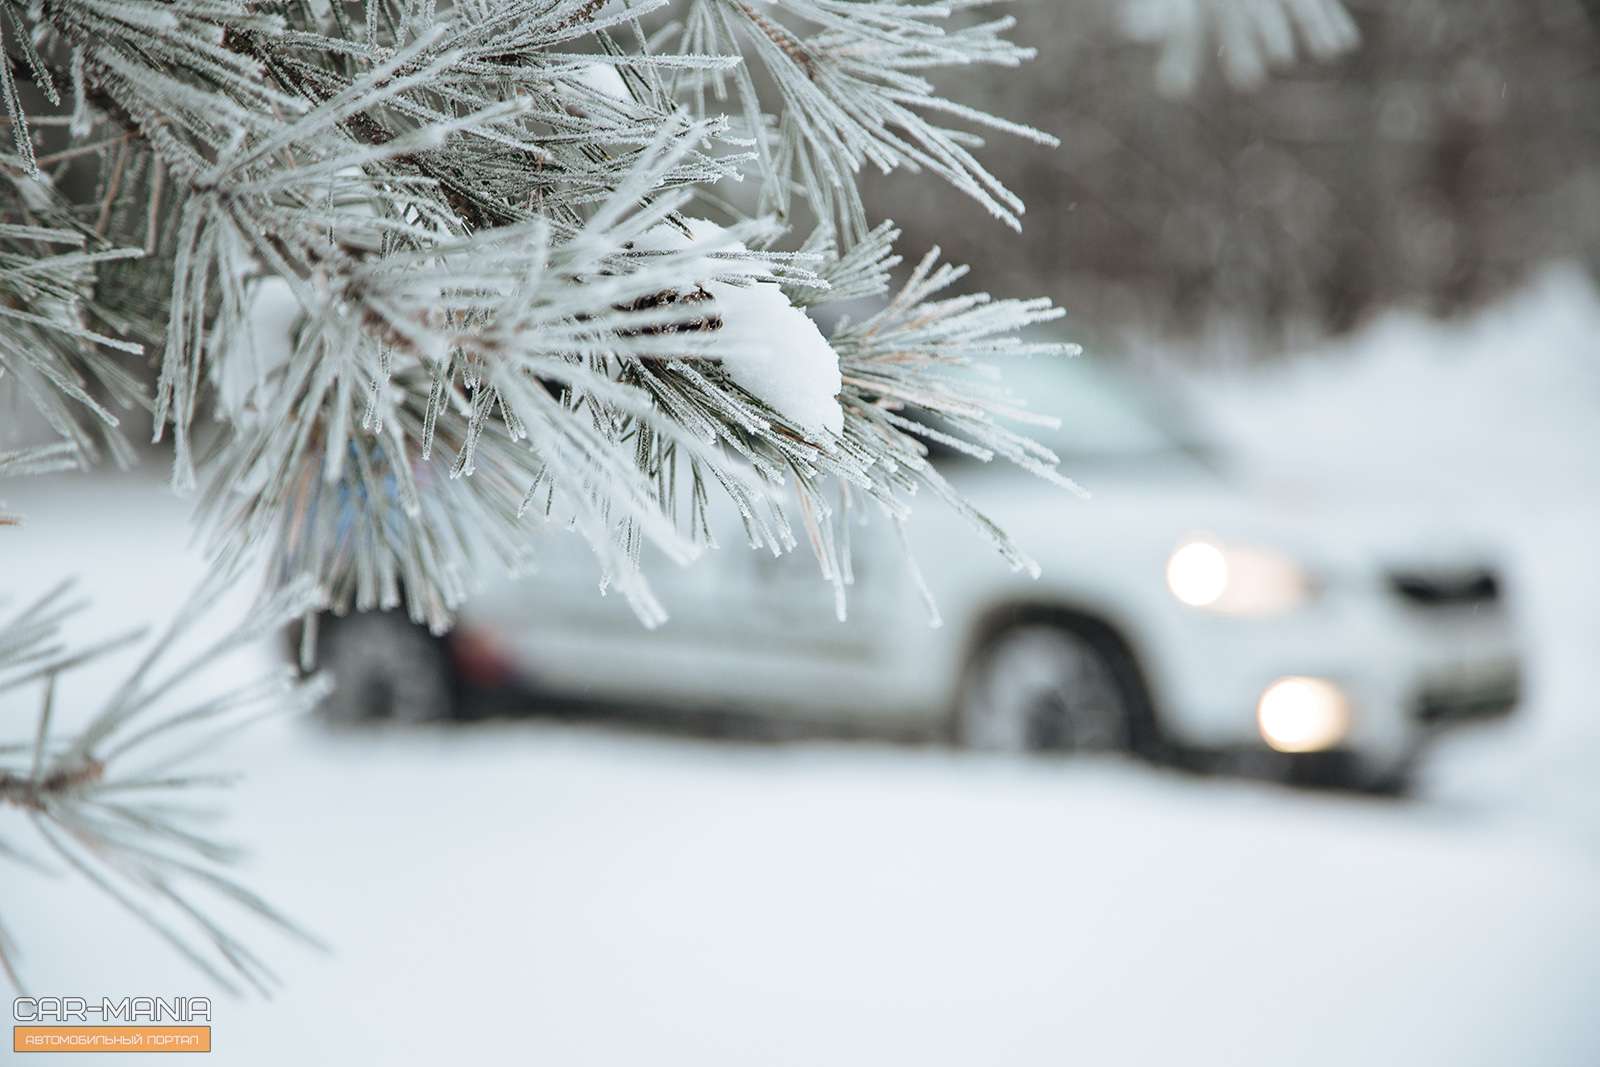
{"type": "Point", "coordinates": [259, 350]}
{"type": "Point", "coordinates": [765, 343]}
{"type": "Point", "coordinates": [603, 78]}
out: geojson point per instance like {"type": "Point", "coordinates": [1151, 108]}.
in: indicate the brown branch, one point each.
{"type": "Point", "coordinates": [35, 794]}
{"type": "Point", "coordinates": [583, 14]}
{"type": "Point", "coordinates": [781, 36]}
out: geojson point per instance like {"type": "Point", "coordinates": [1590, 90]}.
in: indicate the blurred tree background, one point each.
{"type": "Point", "coordinates": [1440, 162]}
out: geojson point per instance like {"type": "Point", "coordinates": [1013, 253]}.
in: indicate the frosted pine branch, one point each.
{"type": "Point", "coordinates": [849, 93]}
{"type": "Point", "coordinates": [1248, 38]}
{"type": "Point", "coordinates": [433, 270]}
{"type": "Point", "coordinates": [56, 347]}
{"type": "Point", "coordinates": [110, 800]}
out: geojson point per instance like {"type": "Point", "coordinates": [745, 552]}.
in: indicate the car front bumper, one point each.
{"type": "Point", "coordinates": [1403, 671]}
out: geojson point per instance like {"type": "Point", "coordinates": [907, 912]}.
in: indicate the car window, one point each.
{"type": "Point", "coordinates": [1102, 412]}
{"type": "Point", "coordinates": [1105, 413]}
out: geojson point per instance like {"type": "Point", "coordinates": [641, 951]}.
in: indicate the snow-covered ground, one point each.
{"type": "Point", "coordinates": [525, 892]}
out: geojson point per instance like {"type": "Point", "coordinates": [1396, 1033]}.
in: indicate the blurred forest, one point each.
{"type": "Point", "coordinates": [1455, 150]}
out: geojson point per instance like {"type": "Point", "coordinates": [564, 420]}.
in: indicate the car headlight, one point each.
{"type": "Point", "coordinates": [1303, 715]}
{"type": "Point", "coordinates": [1236, 579]}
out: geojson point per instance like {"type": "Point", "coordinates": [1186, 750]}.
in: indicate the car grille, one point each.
{"type": "Point", "coordinates": [1490, 697]}
{"type": "Point", "coordinates": [1446, 589]}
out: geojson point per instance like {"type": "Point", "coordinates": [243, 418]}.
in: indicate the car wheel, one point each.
{"type": "Point", "coordinates": [1042, 686]}
{"type": "Point", "coordinates": [384, 666]}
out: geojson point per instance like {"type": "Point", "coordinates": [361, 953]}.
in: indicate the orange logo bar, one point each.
{"type": "Point", "coordinates": [111, 1039]}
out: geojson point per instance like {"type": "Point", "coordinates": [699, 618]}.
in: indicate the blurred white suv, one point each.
{"type": "Point", "coordinates": [1179, 615]}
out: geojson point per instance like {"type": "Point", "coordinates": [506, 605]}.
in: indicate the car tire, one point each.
{"type": "Point", "coordinates": [1054, 683]}
{"type": "Point", "coordinates": [385, 667]}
